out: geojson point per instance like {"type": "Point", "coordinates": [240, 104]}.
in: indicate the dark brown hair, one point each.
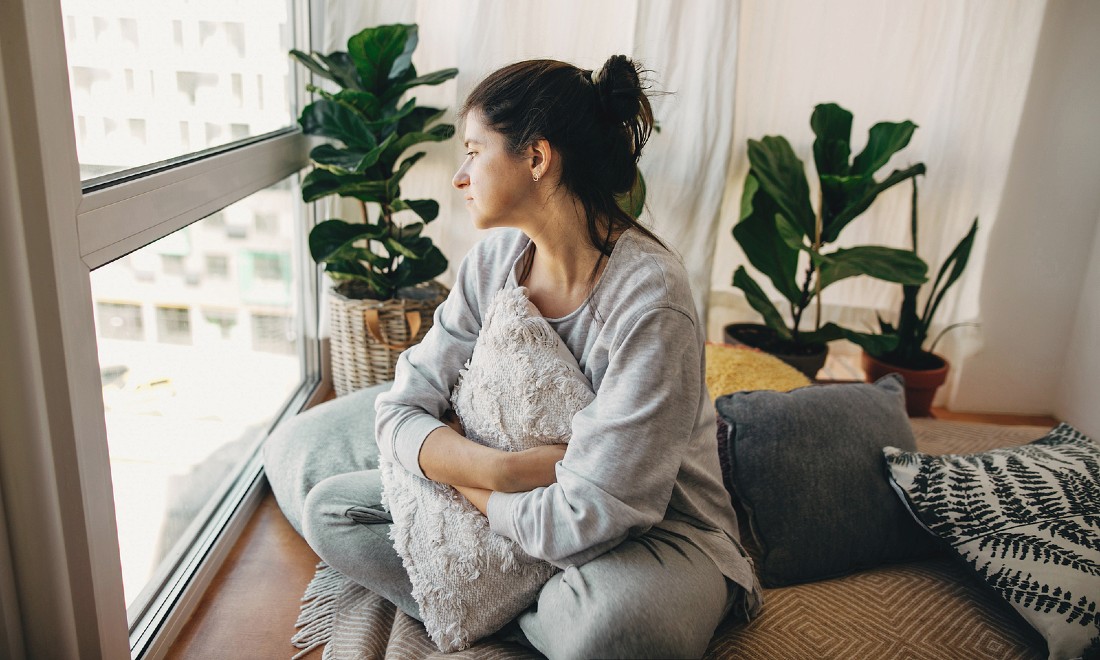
{"type": "Point", "coordinates": [597, 121]}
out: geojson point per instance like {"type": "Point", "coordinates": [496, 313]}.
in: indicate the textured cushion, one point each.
{"type": "Point", "coordinates": [1027, 520]}
{"type": "Point", "coordinates": [520, 389]}
{"type": "Point", "coordinates": [735, 368]}
{"type": "Point", "coordinates": [807, 468]}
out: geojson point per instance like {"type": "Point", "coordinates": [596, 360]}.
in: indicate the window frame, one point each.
{"type": "Point", "coordinates": [61, 583]}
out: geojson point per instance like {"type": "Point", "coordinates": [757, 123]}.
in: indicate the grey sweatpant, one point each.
{"type": "Point", "coordinates": [657, 595]}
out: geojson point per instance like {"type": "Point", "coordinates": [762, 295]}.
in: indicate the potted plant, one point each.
{"type": "Point", "coordinates": [383, 267]}
{"type": "Point", "coordinates": [924, 371]}
{"type": "Point", "coordinates": [778, 225]}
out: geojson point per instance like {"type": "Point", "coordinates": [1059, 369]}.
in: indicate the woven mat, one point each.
{"type": "Point", "coordinates": [929, 609]}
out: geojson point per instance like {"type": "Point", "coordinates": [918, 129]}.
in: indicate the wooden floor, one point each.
{"type": "Point", "coordinates": [250, 608]}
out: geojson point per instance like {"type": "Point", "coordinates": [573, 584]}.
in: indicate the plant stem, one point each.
{"type": "Point", "coordinates": [913, 216]}
{"type": "Point", "coordinates": [363, 207]}
{"type": "Point", "coordinates": [803, 302]}
{"type": "Point", "coordinates": [818, 230]}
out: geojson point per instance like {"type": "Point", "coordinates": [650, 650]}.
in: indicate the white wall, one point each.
{"type": "Point", "coordinates": [1043, 238]}
{"type": "Point", "coordinates": [1079, 393]}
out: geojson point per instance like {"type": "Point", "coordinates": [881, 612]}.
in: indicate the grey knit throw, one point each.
{"type": "Point", "coordinates": [520, 389]}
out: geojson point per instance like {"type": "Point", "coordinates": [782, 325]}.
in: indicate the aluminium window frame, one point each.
{"type": "Point", "coordinates": [61, 589]}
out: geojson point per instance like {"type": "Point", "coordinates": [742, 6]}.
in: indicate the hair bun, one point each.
{"type": "Point", "coordinates": [619, 86]}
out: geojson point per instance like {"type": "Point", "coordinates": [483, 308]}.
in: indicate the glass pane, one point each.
{"type": "Point", "coordinates": [154, 80]}
{"type": "Point", "coordinates": [199, 349]}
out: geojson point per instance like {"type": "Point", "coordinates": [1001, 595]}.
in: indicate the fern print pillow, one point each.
{"type": "Point", "coordinates": [1027, 521]}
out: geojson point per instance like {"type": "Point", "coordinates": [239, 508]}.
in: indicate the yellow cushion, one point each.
{"type": "Point", "coordinates": [737, 368]}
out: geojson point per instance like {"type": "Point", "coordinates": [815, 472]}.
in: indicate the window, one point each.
{"type": "Point", "coordinates": [172, 264]}
{"type": "Point", "coordinates": [222, 319]}
{"type": "Point", "coordinates": [217, 265]}
{"type": "Point", "coordinates": [176, 431]}
{"type": "Point", "coordinates": [158, 455]}
{"type": "Point", "coordinates": [273, 333]}
{"type": "Point", "coordinates": [119, 321]}
{"type": "Point", "coordinates": [196, 55]}
{"type": "Point", "coordinates": [268, 267]}
{"type": "Point", "coordinates": [174, 325]}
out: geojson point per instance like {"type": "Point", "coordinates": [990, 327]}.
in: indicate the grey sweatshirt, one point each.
{"type": "Point", "coordinates": [641, 455]}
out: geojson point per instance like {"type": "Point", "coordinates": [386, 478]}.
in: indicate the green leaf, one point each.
{"type": "Point", "coordinates": [760, 302]}
{"type": "Point", "coordinates": [403, 62]}
{"type": "Point", "coordinates": [321, 183]}
{"type": "Point", "coordinates": [633, 201]}
{"type": "Point", "coordinates": [832, 125]}
{"type": "Point", "coordinates": [338, 121]}
{"type": "Point", "coordinates": [790, 234]}
{"type": "Point", "coordinates": [344, 161]}
{"type": "Point", "coordinates": [343, 69]}
{"type": "Point", "coordinates": [782, 176]}
{"type": "Point", "coordinates": [410, 230]}
{"type": "Point", "coordinates": [427, 209]}
{"type": "Point", "coordinates": [758, 236]}
{"type": "Point", "coordinates": [957, 263]}
{"type": "Point", "coordinates": [330, 238]}
{"type": "Point", "coordinates": [884, 140]}
{"type": "Point", "coordinates": [418, 119]}
{"type": "Point", "coordinates": [860, 204]}
{"type": "Point", "coordinates": [373, 258]}
{"type": "Point", "coordinates": [391, 184]}
{"type": "Point", "coordinates": [317, 67]}
{"type": "Point", "coordinates": [374, 51]}
{"type": "Point", "coordinates": [433, 78]}
{"type": "Point", "coordinates": [413, 248]}
{"type": "Point", "coordinates": [837, 192]}
{"type": "Point", "coordinates": [389, 122]}
{"type": "Point", "coordinates": [434, 134]}
{"type": "Point", "coordinates": [872, 343]}
{"type": "Point", "coordinates": [414, 271]}
{"type": "Point", "coordinates": [884, 263]}
{"type": "Point", "coordinates": [365, 103]}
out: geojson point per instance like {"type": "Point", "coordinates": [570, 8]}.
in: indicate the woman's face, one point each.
{"type": "Point", "coordinates": [497, 185]}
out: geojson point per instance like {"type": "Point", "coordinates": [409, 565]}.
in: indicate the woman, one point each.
{"type": "Point", "coordinates": [633, 510]}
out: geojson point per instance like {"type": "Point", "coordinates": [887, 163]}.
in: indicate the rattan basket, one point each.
{"type": "Point", "coordinates": [367, 336]}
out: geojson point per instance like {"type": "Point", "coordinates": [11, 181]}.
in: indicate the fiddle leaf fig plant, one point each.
{"type": "Point", "coordinates": [912, 327]}
{"type": "Point", "coordinates": [371, 130]}
{"type": "Point", "coordinates": [778, 224]}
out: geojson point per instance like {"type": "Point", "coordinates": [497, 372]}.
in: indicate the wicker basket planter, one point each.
{"type": "Point", "coordinates": [369, 335]}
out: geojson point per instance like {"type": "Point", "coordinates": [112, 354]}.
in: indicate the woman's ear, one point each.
{"type": "Point", "coordinates": [540, 157]}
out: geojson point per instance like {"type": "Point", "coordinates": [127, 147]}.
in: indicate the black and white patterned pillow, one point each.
{"type": "Point", "coordinates": [1027, 520]}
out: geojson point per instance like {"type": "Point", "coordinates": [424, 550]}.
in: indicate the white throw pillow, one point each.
{"type": "Point", "coordinates": [520, 389]}
{"type": "Point", "coordinates": [1027, 521]}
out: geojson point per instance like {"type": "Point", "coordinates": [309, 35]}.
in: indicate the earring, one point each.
{"type": "Point", "coordinates": [536, 178]}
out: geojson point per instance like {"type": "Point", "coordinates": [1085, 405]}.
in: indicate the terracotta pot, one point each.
{"type": "Point", "coordinates": [755, 335]}
{"type": "Point", "coordinates": [920, 384]}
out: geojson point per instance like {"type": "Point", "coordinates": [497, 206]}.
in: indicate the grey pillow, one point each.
{"type": "Point", "coordinates": [806, 467]}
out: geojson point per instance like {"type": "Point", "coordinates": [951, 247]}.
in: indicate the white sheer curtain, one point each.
{"type": "Point", "coordinates": [959, 70]}
{"type": "Point", "coordinates": [749, 68]}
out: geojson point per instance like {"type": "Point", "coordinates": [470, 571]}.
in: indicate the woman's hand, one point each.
{"type": "Point", "coordinates": [529, 469]}
{"type": "Point", "coordinates": [449, 457]}
{"type": "Point", "coordinates": [451, 419]}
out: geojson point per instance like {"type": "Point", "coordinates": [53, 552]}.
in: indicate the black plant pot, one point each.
{"type": "Point", "coordinates": [807, 359]}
